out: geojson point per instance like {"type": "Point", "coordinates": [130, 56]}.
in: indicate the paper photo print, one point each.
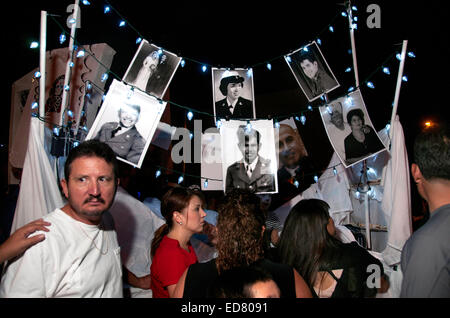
{"type": "Point", "coordinates": [350, 130]}
{"type": "Point", "coordinates": [290, 146]}
{"type": "Point", "coordinates": [311, 71]}
{"type": "Point", "coordinates": [211, 166]}
{"type": "Point", "coordinates": [152, 69]}
{"type": "Point", "coordinates": [233, 93]}
{"type": "Point", "coordinates": [249, 155]}
{"type": "Point", "coordinates": [127, 121]}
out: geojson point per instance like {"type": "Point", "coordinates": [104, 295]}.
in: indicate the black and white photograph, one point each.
{"type": "Point", "coordinates": [152, 69]}
{"type": "Point", "coordinates": [233, 93]}
{"type": "Point", "coordinates": [350, 129]}
{"type": "Point", "coordinates": [249, 156]}
{"type": "Point", "coordinates": [127, 121]}
{"type": "Point", "coordinates": [311, 71]}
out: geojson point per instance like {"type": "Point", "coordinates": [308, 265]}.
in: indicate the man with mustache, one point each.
{"type": "Point", "coordinates": [80, 256]}
{"type": "Point", "coordinates": [253, 172]}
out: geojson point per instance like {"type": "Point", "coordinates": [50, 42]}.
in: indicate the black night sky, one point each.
{"type": "Point", "coordinates": [249, 33]}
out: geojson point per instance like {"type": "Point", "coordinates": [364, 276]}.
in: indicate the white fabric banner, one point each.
{"type": "Point", "coordinates": [396, 202]}
{"type": "Point", "coordinates": [39, 193]}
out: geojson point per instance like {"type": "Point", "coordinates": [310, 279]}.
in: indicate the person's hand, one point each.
{"type": "Point", "coordinates": [20, 241]}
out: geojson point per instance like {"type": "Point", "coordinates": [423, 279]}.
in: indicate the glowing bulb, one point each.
{"type": "Point", "coordinates": [319, 41]}
{"type": "Point", "coordinates": [218, 124]}
{"type": "Point", "coordinates": [303, 119]}
{"type": "Point", "coordinates": [204, 68]}
{"type": "Point", "coordinates": [348, 69]}
{"type": "Point", "coordinates": [248, 128]}
{"type": "Point", "coordinates": [335, 171]}
{"type": "Point", "coordinates": [386, 70]}
{"type": "Point", "coordinates": [180, 179]}
{"type": "Point", "coordinates": [86, 2]}
{"type": "Point", "coordinates": [183, 63]}
{"type": "Point", "coordinates": [331, 28]}
{"type": "Point", "coordinates": [191, 135]}
{"type": "Point", "coordinates": [411, 54]}
{"type": "Point", "coordinates": [62, 38]}
{"type": "Point", "coordinates": [138, 40]}
{"type": "Point", "coordinates": [351, 89]}
{"type": "Point", "coordinates": [34, 45]}
{"type": "Point", "coordinates": [66, 88]}
{"type": "Point", "coordinates": [370, 85]}
{"type": "Point", "coordinates": [344, 14]}
{"type": "Point", "coordinates": [190, 115]}
{"type": "Point", "coordinates": [104, 77]}
{"type": "Point", "coordinates": [158, 173]}
{"type": "Point", "coordinates": [277, 124]}
{"type": "Point", "coordinates": [288, 58]}
{"type": "Point", "coordinates": [106, 9]}
{"type": "Point", "coordinates": [305, 49]}
{"type": "Point", "coordinates": [405, 78]}
{"type": "Point", "coordinates": [122, 23]}
{"type": "Point", "coordinates": [205, 184]}
{"type": "Point", "coordinates": [316, 179]}
{"type": "Point", "coordinates": [249, 72]}
{"type": "Point", "coordinates": [269, 66]}
{"type": "Point", "coordinates": [296, 183]}
{"type": "Point", "coordinates": [80, 53]}
{"type": "Point", "coordinates": [70, 113]}
{"type": "Point", "coordinates": [56, 131]}
{"type": "Point", "coordinates": [34, 105]}
{"type": "Point", "coordinates": [37, 74]}
{"type": "Point", "coordinates": [76, 144]}
{"type": "Point", "coordinates": [398, 56]}
{"type": "Point", "coordinates": [310, 107]}
{"type": "Point", "coordinates": [428, 124]}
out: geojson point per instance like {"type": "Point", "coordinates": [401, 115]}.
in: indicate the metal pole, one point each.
{"type": "Point", "coordinates": [42, 61]}
{"type": "Point", "coordinates": [352, 40]}
{"type": "Point", "coordinates": [399, 84]}
{"type": "Point", "coordinates": [68, 72]}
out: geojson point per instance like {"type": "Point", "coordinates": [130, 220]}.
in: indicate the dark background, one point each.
{"type": "Point", "coordinates": [248, 34]}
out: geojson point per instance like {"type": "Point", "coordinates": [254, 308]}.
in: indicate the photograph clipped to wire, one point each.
{"type": "Point", "coordinates": [350, 130]}
{"type": "Point", "coordinates": [127, 121]}
{"type": "Point", "coordinates": [233, 93]}
{"type": "Point", "coordinates": [311, 71]}
{"type": "Point", "coordinates": [152, 69]}
{"type": "Point", "coordinates": [249, 156]}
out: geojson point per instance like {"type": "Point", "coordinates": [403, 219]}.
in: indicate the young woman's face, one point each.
{"type": "Point", "coordinates": [194, 215]}
{"type": "Point", "coordinates": [356, 123]}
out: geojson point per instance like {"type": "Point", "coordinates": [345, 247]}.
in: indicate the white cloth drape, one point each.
{"type": "Point", "coordinates": [396, 202]}
{"type": "Point", "coordinates": [39, 193]}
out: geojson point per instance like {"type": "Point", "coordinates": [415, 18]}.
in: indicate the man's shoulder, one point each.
{"type": "Point", "coordinates": [110, 125]}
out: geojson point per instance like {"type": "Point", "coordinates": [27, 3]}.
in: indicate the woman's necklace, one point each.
{"type": "Point", "coordinates": [93, 240]}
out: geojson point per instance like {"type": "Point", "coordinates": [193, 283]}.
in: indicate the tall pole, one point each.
{"type": "Point", "coordinates": [42, 61]}
{"type": "Point", "coordinates": [69, 61]}
{"type": "Point", "coordinates": [352, 40]}
{"type": "Point", "coordinates": [399, 84]}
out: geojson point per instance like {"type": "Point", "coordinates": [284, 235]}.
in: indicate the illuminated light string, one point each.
{"type": "Point", "coordinates": [301, 118]}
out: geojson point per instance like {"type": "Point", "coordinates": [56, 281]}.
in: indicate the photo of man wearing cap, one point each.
{"type": "Point", "coordinates": [231, 86]}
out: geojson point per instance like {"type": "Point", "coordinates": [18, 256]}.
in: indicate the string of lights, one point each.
{"type": "Point", "coordinates": [298, 116]}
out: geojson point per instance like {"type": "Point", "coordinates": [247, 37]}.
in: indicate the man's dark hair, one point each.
{"type": "Point", "coordinates": [432, 151]}
{"type": "Point", "coordinates": [237, 282]}
{"type": "Point", "coordinates": [355, 112]}
{"type": "Point", "coordinates": [92, 148]}
{"type": "Point", "coordinates": [307, 56]}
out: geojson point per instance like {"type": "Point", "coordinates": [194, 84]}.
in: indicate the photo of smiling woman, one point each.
{"type": "Point", "coordinates": [126, 122]}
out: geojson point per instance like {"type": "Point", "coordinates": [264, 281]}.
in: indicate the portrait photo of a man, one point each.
{"type": "Point", "coordinates": [233, 93]}
{"type": "Point", "coordinates": [350, 130]}
{"type": "Point", "coordinates": [311, 71]}
{"type": "Point", "coordinates": [152, 69]}
{"type": "Point", "coordinates": [248, 156]}
{"type": "Point", "coordinates": [126, 122]}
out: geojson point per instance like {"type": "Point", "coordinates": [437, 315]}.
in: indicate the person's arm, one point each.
{"type": "Point", "coordinates": [179, 287]}
{"type": "Point", "coordinates": [301, 288]}
{"type": "Point", "coordinates": [20, 241]}
{"type": "Point", "coordinates": [139, 282]}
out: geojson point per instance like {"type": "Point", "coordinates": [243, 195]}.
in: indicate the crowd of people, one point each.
{"type": "Point", "coordinates": [80, 250]}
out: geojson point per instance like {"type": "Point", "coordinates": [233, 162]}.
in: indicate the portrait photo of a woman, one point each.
{"type": "Point", "coordinates": [362, 141]}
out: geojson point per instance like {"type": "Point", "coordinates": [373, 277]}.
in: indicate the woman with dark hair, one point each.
{"type": "Point", "coordinates": [362, 141]}
{"type": "Point", "coordinates": [240, 227]}
{"type": "Point", "coordinates": [330, 268]}
{"type": "Point", "coordinates": [171, 251]}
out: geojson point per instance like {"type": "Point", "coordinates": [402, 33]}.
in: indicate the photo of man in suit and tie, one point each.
{"type": "Point", "coordinates": [233, 88]}
{"type": "Point", "coordinates": [252, 172]}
